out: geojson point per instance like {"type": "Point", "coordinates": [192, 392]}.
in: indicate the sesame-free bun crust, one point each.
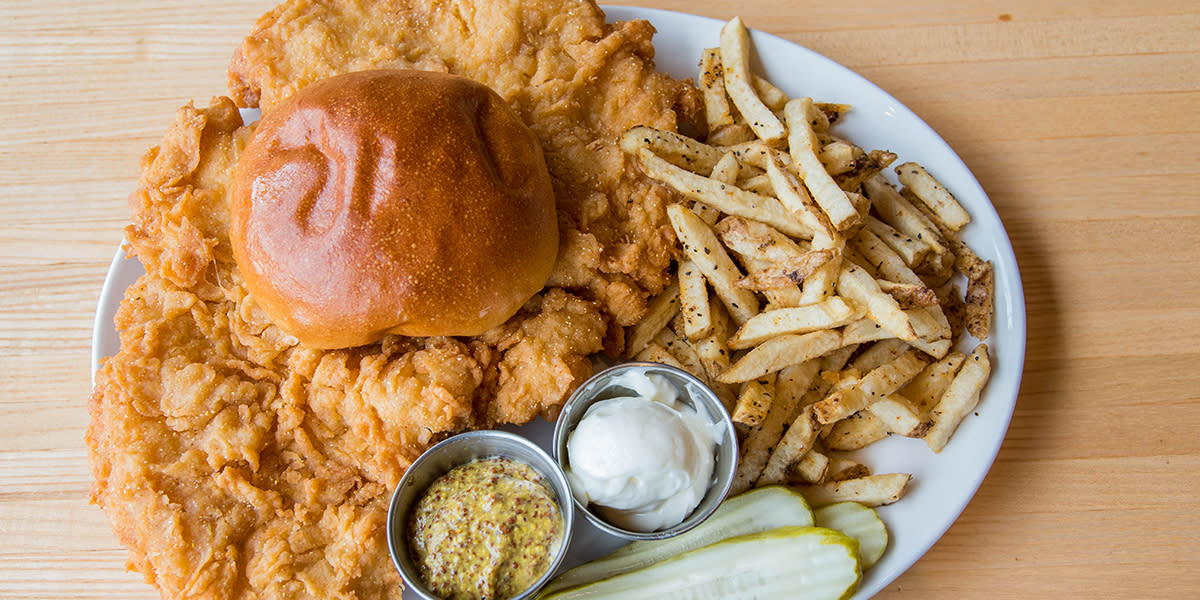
{"type": "Point", "coordinates": [392, 202]}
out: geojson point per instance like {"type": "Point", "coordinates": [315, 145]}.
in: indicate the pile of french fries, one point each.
{"type": "Point", "coordinates": [819, 301]}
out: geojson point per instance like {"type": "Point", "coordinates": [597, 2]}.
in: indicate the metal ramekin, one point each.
{"type": "Point", "coordinates": [695, 394]}
{"type": "Point", "coordinates": [458, 450]}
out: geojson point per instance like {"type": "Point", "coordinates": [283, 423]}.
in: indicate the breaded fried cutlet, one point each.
{"type": "Point", "coordinates": [235, 463]}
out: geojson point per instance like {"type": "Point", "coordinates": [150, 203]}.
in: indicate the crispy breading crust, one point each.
{"type": "Point", "coordinates": [235, 463]}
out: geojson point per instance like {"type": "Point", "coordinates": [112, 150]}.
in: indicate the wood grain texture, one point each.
{"type": "Point", "coordinates": [1080, 119]}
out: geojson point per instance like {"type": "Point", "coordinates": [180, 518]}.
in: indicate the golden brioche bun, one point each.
{"type": "Point", "coordinates": [392, 202]}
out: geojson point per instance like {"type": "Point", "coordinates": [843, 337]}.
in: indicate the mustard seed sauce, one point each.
{"type": "Point", "coordinates": [485, 530]}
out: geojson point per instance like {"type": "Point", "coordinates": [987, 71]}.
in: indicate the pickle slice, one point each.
{"type": "Point", "coordinates": [800, 563]}
{"type": "Point", "coordinates": [751, 512]}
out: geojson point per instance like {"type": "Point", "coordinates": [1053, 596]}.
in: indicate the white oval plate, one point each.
{"type": "Point", "coordinates": [942, 484]}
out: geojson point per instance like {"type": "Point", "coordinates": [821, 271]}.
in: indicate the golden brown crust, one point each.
{"type": "Point", "coordinates": [235, 463]}
{"type": "Point", "coordinates": [392, 201]}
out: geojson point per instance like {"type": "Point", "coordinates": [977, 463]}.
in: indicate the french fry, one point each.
{"type": "Point", "coordinates": [899, 416]}
{"type": "Point", "coordinates": [735, 58]}
{"type": "Point", "coordinates": [832, 362]}
{"type": "Point", "coordinates": [830, 113]}
{"type": "Point", "coordinates": [841, 468]}
{"type": "Point", "coordinates": [919, 303]}
{"type": "Point", "coordinates": [836, 361]}
{"type": "Point", "coordinates": [759, 247]}
{"type": "Point", "coordinates": [860, 288]}
{"type": "Point", "coordinates": [842, 378]}
{"type": "Point", "coordinates": [960, 398]}
{"type": "Point", "coordinates": [954, 308]}
{"type": "Point", "coordinates": [679, 150]}
{"type": "Point", "coordinates": [712, 86]}
{"type": "Point", "coordinates": [759, 184]}
{"type": "Point", "coordinates": [793, 271]}
{"type": "Point", "coordinates": [863, 331]}
{"type": "Point", "coordinates": [927, 387]}
{"type": "Point", "coordinates": [980, 277]}
{"type": "Point", "coordinates": [755, 154]}
{"type": "Point", "coordinates": [708, 214]}
{"type": "Point", "coordinates": [790, 385]}
{"type": "Point", "coordinates": [980, 291]}
{"type": "Point", "coordinates": [934, 348]}
{"type": "Point", "coordinates": [930, 323]}
{"type": "Point", "coordinates": [731, 135]}
{"type": "Point", "coordinates": [727, 169]}
{"type": "Point", "coordinates": [795, 443]}
{"type": "Point", "coordinates": [755, 401]}
{"type": "Point", "coordinates": [659, 313]}
{"type": "Point", "coordinates": [798, 440]}
{"type": "Point", "coordinates": [672, 332]}
{"type": "Point", "coordinates": [653, 352]}
{"type": "Point", "coordinates": [898, 212]}
{"type": "Point", "coordinates": [839, 157]}
{"type": "Point", "coordinates": [873, 386]}
{"type": "Point", "coordinates": [861, 204]}
{"type": "Point", "coordinates": [910, 296]}
{"type": "Point", "coordinates": [872, 490]}
{"type": "Point", "coordinates": [912, 251]}
{"type": "Point", "coordinates": [727, 198]}
{"type": "Point", "coordinates": [803, 319]}
{"type": "Point", "coordinates": [713, 355]}
{"type": "Point", "coordinates": [684, 354]}
{"type": "Point", "coordinates": [794, 196]}
{"type": "Point", "coordinates": [937, 269]}
{"type": "Point", "coordinates": [802, 144]}
{"type": "Point", "coordinates": [879, 354]}
{"type": "Point", "coordinates": [965, 259]}
{"type": "Point", "coordinates": [693, 301]}
{"type": "Point", "coordinates": [823, 282]}
{"type": "Point", "coordinates": [779, 352]}
{"type": "Point", "coordinates": [780, 293]}
{"type": "Point", "coordinates": [773, 97]}
{"type": "Point", "coordinates": [714, 360]}
{"type": "Point", "coordinates": [935, 196]}
{"type": "Point", "coordinates": [864, 169]}
{"type": "Point", "coordinates": [712, 349]}
{"type": "Point", "coordinates": [925, 316]}
{"type": "Point", "coordinates": [705, 251]}
{"type": "Point", "coordinates": [795, 382]}
{"type": "Point", "coordinates": [855, 432]}
{"type": "Point", "coordinates": [755, 238]}
{"type": "Point", "coordinates": [854, 257]}
{"type": "Point", "coordinates": [811, 468]}
{"type": "Point", "coordinates": [890, 265]}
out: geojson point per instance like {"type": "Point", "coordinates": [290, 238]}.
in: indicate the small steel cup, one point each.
{"type": "Point", "coordinates": [695, 394]}
{"type": "Point", "coordinates": [459, 450]}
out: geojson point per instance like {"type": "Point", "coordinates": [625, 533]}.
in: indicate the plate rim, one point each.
{"type": "Point", "coordinates": [123, 270]}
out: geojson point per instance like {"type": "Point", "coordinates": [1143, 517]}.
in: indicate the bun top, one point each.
{"type": "Point", "coordinates": [392, 201]}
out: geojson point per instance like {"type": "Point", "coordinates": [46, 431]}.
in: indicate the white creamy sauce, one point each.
{"type": "Point", "coordinates": [644, 459]}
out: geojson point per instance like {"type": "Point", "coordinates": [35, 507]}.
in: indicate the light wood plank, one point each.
{"type": "Point", "coordinates": [1080, 119]}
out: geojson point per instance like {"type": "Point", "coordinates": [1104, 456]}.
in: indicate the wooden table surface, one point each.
{"type": "Point", "coordinates": [1080, 119]}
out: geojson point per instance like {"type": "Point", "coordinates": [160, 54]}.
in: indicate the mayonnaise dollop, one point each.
{"type": "Point", "coordinates": [645, 459]}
